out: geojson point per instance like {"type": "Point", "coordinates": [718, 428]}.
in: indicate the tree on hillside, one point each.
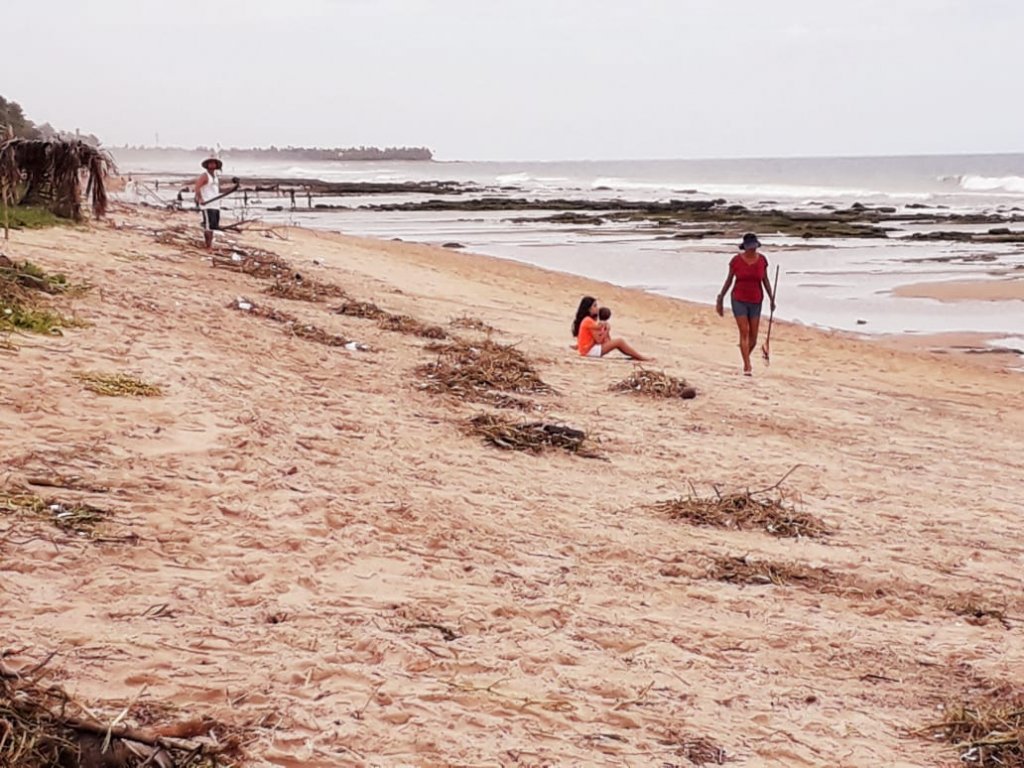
{"type": "Point", "coordinates": [11, 114]}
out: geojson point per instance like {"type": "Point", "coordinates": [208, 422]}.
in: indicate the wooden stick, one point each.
{"type": "Point", "coordinates": [768, 337]}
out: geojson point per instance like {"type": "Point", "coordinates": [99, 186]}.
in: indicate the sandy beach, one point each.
{"type": "Point", "coordinates": [1004, 289]}
{"type": "Point", "coordinates": [304, 545]}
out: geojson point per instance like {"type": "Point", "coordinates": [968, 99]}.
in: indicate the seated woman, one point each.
{"type": "Point", "coordinates": [589, 337]}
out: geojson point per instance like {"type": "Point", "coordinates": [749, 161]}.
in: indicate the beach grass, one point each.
{"type": "Point", "coordinates": [32, 217]}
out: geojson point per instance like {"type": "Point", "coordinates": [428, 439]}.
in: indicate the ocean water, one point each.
{"type": "Point", "coordinates": [841, 284]}
{"type": "Point", "coordinates": [956, 180]}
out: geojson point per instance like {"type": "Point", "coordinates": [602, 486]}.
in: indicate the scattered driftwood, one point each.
{"type": "Point", "coordinates": [654, 384]}
{"type": "Point", "coordinates": [477, 371]}
{"type": "Point", "coordinates": [42, 727]}
{"type": "Point", "coordinates": [117, 385]}
{"type": "Point", "coordinates": [533, 437]}
{"type": "Point", "coordinates": [988, 733]}
{"type": "Point", "coordinates": [73, 517]}
{"type": "Point", "coordinates": [767, 510]}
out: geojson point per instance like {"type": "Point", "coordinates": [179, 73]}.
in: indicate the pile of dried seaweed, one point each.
{"type": "Point", "coordinates": [73, 517]}
{"type": "Point", "coordinates": [364, 309]}
{"type": "Point", "coordinates": [534, 436]}
{"type": "Point", "coordinates": [468, 323]}
{"type": "Point", "coordinates": [117, 385]}
{"type": "Point", "coordinates": [476, 371]}
{"type": "Point", "coordinates": [988, 733]}
{"type": "Point", "coordinates": [767, 510]}
{"type": "Point", "coordinates": [389, 321]}
{"type": "Point", "coordinates": [975, 610]}
{"type": "Point", "coordinates": [654, 384]}
{"type": "Point", "coordinates": [743, 570]}
{"type": "Point", "coordinates": [255, 262]}
{"type": "Point", "coordinates": [305, 331]}
{"type": "Point", "coordinates": [698, 750]}
{"type": "Point", "coordinates": [411, 326]}
{"type": "Point", "coordinates": [22, 304]}
{"type": "Point", "coordinates": [299, 288]}
{"type": "Point", "coordinates": [42, 727]}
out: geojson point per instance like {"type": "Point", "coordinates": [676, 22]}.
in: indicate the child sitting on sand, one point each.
{"type": "Point", "coordinates": [603, 330]}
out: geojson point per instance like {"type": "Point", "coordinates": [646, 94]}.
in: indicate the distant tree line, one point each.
{"type": "Point", "coordinates": [310, 153]}
{"type": "Point", "coordinates": [11, 114]}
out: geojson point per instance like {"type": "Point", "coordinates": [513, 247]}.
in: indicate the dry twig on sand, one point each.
{"type": "Point", "coordinates": [767, 509]}
{"type": "Point", "coordinates": [534, 436]}
{"type": "Point", "coordinates": [654, 384]}
{"type": "Point", "coordinates": [42, 727]}
{"type": "Point", "coordinates": [117, 385]}
{"type": "Point", "coordinates": [988, 733]}
{"type": "Point", "coordinates": [478, 371]}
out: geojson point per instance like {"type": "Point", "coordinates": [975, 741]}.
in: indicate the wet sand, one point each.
{"type": "Point", "coordinates": [1004, 289]}
{"type": "Point", "coordinates": [340, 570]}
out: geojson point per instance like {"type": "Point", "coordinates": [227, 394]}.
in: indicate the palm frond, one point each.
{"type": "Point", "coordinates": [50, 173]}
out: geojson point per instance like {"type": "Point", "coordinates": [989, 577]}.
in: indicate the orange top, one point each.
{"type": "Point", "coordinates": [585, 338]}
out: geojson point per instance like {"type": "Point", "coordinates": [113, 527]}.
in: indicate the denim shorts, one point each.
{"type": "Point", "coordinates": [748, 309]}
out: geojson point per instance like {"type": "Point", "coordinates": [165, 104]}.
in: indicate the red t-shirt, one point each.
{"type": "Point", "coordinates": [748, 278]}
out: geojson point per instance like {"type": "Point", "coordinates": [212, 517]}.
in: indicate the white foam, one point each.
{"type": "Point", "coordinates": [751, 191]}
{"type": "Point", "coordinates": [1014, 184]}
{"type": "Point", "coordinates": [1015, 343]}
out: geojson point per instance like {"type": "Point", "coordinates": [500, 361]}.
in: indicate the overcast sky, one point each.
{"type": "Point", "coordinates": [528, 79]}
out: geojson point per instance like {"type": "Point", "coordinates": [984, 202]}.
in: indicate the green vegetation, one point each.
{"type": "Point", "coordinates": [11, 114]}
{"type": "Point", "coordinates": [21, 308]}
{"type": "Point", "coordinates": [31, 217]}
{"type": "Point", "coordinates": [16, 317]}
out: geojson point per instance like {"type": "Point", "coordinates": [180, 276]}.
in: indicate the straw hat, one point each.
{"type": "Point", "coordinates": [216, 160]}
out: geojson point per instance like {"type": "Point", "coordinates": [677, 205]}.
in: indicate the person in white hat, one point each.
{"type": "Point", "coordinates": [207, 193]}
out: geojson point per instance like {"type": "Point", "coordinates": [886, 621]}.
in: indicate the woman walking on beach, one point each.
{"type": "Point", "coordinates": [749, 270]}
{"type": "Point", "coordinates": [589, 335]}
